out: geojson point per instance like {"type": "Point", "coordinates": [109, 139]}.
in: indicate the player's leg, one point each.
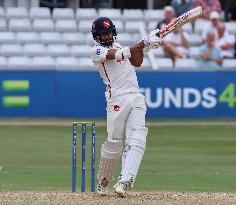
{"type": "Point", "coordinates": [136, 133]}
{"type": "Point", "coordinates": [122, 165]}
{"type": "Point", "coordinates": [110, 153]}
{"type": "Point", "coordinates": [111, 150]}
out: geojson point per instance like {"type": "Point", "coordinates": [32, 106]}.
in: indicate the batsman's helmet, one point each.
{"type": "Point", "coordinates": [103, 25]}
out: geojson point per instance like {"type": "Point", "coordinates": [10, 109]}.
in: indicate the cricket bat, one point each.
{"type": "Point", "coordinates": [187, 17]}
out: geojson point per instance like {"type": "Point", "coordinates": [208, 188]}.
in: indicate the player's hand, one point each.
{"type": "Point", "coordinates": [152, 41]}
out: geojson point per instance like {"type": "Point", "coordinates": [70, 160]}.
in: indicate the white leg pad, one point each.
{"type": "Point", "coordinates": [110, 153]}
{"type": "Point", "coordinates": [134, 154]}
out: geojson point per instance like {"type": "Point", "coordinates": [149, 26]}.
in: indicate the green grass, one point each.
{"type": "Point", "coordinates": [35, 158]}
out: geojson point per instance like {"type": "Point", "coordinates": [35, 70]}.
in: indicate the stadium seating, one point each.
{"type": "Point", "coordinates": [43, 63]}
{"type": "Point", "coordinates": [66, 25]}
{"type": "Point", "coordinates": [231, 27]}
{"type": "Point", "coordinates": [124, 38]}
{"type": "Point", "coordinates": [85, 64]}
{"type": "Point", "coordinates": [229, 64]}
{"type": "Point", "coordinates": [19, 63]}
{"type": "Point", "coordinates": [11, 50]}
{"type": "Point", "coordinates": [66, 63]}
{"type": "Point", "coordinates": [3, 63]}
{"type": "Point", "coordinates": [20, 3]}
{"type": "Point", "coordinates": [3, 24]}
{"type": "Point", "coordinates": [159, 52]}
{"type": "Point", "coordinates": [41, 25]}
{"type": "Point", "coordinates": [34, 50]}
{"type": "Point", "coordinates": [81, 50]}
{"type": "Point", "coordinates": [85, 25]}
{"type": "Point", "coordinates": [89, 39]}
{"type": "Point", "coordinates": [37, 39]}
{"type": "Point", "coordinates": [195, 39]}
{"type": "Point", "coordinates": [39, 13]}
{"type": "Point", "coordinates": [194, 52]}
{"type": "Point", "coordinates": [82, 14]}
{"type": "Point", "coordinates": [186, 64]}
{"type": "Point", "coordinates": [7, 37]}
{"type": "Point", "coordinates": [199, 25]}
{"type": "Point", "coordinates": [151, 25]}
{"type": "Point", "coordinates": [111, 13]}
{"type": "Point", "coordinates": [2, 13]}
{"type": "Point", "coordinates": [119, 25]}
{"type": "Point", "coordinates": [66, 13]}
{"type": "Point", "coordinates": [17, 25]}
{"type": "Point", "coordinates": [16, 12]}
{"type": "Point", "coordinates": [133, 14]}
{"type": "Point", "coordinates": [58, 50]}
{"type": "Point", "coordinates": [27, 37]}
{"type": "Point", "coordinates": [165, 64]}
{"type": "Point", "coordinates": [73, 38]}
{"type": "Point", "coordinates": [50, 38]}
{"type": "Point", "coordinates": [154, 15]}
{"type": "Point", "coordinates": [134, 26]}
{"type": "Point", "coordinates": [146, 64]}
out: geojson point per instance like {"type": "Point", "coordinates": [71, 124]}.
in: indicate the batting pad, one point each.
{"type": "Point", "coordinates": [138, 138]}
{"type": "Point", "coordinates": [134, 155]}
{"type": "Point", "coordinates": [110, 153]}
{"type": "Point", "coordinates": [132, 163]}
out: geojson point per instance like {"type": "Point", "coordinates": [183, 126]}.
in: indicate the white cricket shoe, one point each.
{"type": "Point", "coordinates": [118, 181]}
{"type": "Point", "coordinates": [121, 188]}
{"type": "Point", "coordinates": [102, 188]}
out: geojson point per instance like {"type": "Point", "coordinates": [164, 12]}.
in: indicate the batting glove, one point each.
{"type": "Point", "coordinates": [152, 41]}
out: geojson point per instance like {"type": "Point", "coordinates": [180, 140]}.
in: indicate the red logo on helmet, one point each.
{"type": "Point", "coordinates": [106, 24]}
{"type": "Point", "coordinates": [116, 108]}
{"type": "Point", "coordinates": [93, 26]}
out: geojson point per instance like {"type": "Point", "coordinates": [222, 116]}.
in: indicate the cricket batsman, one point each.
{"type": "Point", "coordinates": [126, 107]}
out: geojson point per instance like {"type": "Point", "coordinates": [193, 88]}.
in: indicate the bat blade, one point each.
{"type": "Point", "coordinates": [180, 21]}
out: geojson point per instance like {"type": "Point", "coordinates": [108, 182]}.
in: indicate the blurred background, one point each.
{"type": "Point", "coordinates": [46, 70]}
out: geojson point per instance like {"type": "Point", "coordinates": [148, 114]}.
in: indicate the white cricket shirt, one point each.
{"type": "Point", "coordinates": [118, 75]}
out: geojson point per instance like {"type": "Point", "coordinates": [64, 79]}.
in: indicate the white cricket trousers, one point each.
{"type": "Point", "coordinates": [126, 117]}
{"type": "Point", "coordinates": [125, 114]}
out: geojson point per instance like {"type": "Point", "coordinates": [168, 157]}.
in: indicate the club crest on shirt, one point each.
{"type": "Point", "coordinates": [116, 108]}
{"type": "Point", "coordinates": [106, 24]}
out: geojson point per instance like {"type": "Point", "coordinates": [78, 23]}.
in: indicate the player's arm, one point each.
{"type": "Point", "coordinates": [134, 53]}
{"type": "Point", "coordinates": [136, 58]}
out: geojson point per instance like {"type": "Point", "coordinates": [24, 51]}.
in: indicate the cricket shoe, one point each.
{"type": "Point", "coordinates": [102, 188]}
{"type": "Point", "coordinates": [121, 188]}
{"type": "Point", "coordinates": [119, 179]}
{"type": "Point", "coordinates": [116, 184]}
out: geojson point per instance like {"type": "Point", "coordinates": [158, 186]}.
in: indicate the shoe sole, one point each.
{"type": "Point", "coordinates": [120, 194]}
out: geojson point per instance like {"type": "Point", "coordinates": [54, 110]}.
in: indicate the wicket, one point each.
{"type": "Point", "coordinates": [75, 126]}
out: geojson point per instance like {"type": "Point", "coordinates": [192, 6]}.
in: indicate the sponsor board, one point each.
{"type": "Point", "coordinates": [81, 94]}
